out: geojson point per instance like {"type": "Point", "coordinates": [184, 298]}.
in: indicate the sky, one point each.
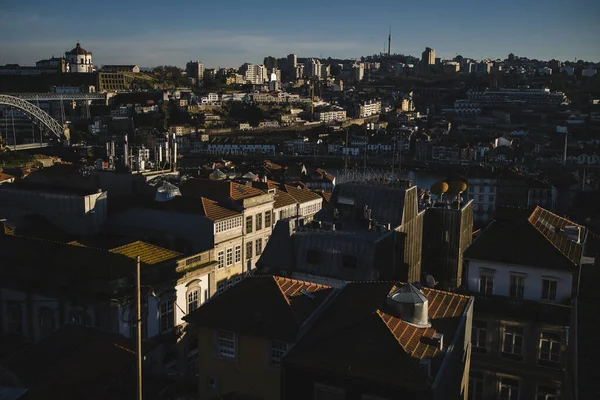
{"type": "Point", "coordinates": [228, 33]}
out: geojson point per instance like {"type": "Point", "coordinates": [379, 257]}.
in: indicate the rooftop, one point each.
{"type": "Point", "coordinates": [539, 241]}
{"type": "Point", "coordinates": [218, 190]}
{"type": "Point", "coordinates": [149, 253]}
{"type": "Point", "coordinates": [263, 306]}
{"type": "Point", "coordinates": [357, 336]}
{"type": "Point", "coordinates": [73, 363]}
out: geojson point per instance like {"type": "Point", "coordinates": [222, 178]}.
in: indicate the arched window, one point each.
{"type": "Point", "coordinates": [47, 321]}
{"type": "Point", "coordinates": [193, 296]}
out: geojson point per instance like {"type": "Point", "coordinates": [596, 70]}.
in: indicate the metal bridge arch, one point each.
{"type": "Point", "coordinates": [34, 113]}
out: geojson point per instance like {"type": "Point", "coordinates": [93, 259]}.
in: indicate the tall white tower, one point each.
{"type": "Point", "coordinates": [79, 60]}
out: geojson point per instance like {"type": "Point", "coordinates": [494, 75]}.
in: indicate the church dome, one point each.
{"type": "Point", "coordinates": [80, 51]}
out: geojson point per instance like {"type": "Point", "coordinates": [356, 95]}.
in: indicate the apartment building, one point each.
{"type": "Point", "coordinates": [254, 73]}
{"type": "Point", "coordinates": [255, 206]}
{"type": "Point", "coordinates": [244, 334]}
{"type": "Point", "coordinates": [367, 108]}
{"type": "Point", "coordinates": [523, 272]}
{"type": "Point", "coordinates": [330, 115]}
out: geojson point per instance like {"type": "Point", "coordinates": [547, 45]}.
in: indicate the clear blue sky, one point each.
{"type": "Point", "coordinates": [229, 33]}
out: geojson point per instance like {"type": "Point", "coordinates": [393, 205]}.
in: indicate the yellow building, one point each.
{"type": "Point", "coordinates": [244, 333]}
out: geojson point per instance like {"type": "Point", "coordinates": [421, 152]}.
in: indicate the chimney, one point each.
{"type": "Point", "coordinates": [438, 339]}
{"type": "Point", "coordinates": [126, 152]}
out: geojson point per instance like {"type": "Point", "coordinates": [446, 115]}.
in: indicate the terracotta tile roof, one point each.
{"type": "Point", "coordinates": [283, 199]}
{"type": "Point", "coordinates": [149, 253]}
{"type": "Point", "coordinates": [441, 305]}
{"type": "Point", "coordinates": [5, 177]}
{"type": "Point", "coordinates": [216, 212]}
{"type": "Point", "coordinates": [264, 306]}
{"type": "Point", "coordinates": [536, 241]}
{"type": "Point", "coordinates": [218, 190]}
{"type": "Point", "coordinates": [324, 194]}
{"type": "Point", "coordinates": [301, 195]}
{"type": "Point", "coordinates": [356, 336]}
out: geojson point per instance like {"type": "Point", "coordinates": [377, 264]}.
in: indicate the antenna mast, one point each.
{"type": "Point", "coordinates": [390, 42]}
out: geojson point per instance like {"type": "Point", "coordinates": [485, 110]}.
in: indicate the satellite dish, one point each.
{"type": "Point", "coordinates": [430, 281]}
{"type": "Point", "coordinates": [439, 188]}
{"type": "Point", "coordinates": [456, 187]}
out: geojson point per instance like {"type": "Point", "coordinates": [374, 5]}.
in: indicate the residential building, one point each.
{"type": "Point", "coordinates": [483, 190]}
{"type": "Point", "coordinates": [121, 68]}
{"type": "Point", "coordinates": [367, 108]}
{"type": "Point", "coordinates": [383, 340]}
{"type": "Point", "coordinates": [76, 211]}
{"type": "Point", "coordinates": [244, 334]}
{"type": "Point", "coordinates": [330, 115]}
{"type": "Point", "coordinates": [524, 273]}
{"type": "Point", "coordinates": [254, 73]}
{"type": "Point", "coordinates": [256, 209]}
{"type": "Point", "coordinates": [77, 362]}
{"type": "Point", "coordinates": [366, 231]}
{"type": "Point", "coordinates": [195, 70]}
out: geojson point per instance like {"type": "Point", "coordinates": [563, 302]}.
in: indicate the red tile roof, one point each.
{"type": "Point", "coordinates": [357, 336]}
{"type": "Point", "coordinates": [301, 195]}
{"type": "Point", "coordinates": [263, 306]}
{"type": "Point", "coordinates": [283, 199]}
{"type": "Point", "coordinates": [218, 190]}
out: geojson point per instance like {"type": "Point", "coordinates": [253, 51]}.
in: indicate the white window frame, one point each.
{"type": "Point", "coordinates": [510, 334]}
{"type": "Point", "coordinates": [476, 382]}
{"type": "Point", "coordinates": [546, 392]}
{"type": "Point", "coordinates": [277, 350]}
{"type": "Point", "coordinates": [551, 281]}
{"type": "Point", "coordinates": [552, 342]}
{"type": "Point", "coordinates": [476, 336]}
{"type": "Point", "coordinates": [229, 257]}
{"type": "Point", "coordinates": [487, 276]}
{"type": "Point", "coordinates": [238, 254]}
{"type": "Point", "coordinates": [226, 344]}
{"type": "Point", "coordinates": [193, 299]}
{"type": "Point", "coordinates": [513, 392]}
{"type": "Point", "coordinates": [221, 259]}
{"type": "Point", "coordinates": [519, 288]}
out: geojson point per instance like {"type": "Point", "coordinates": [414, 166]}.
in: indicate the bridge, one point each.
{"type": "Point", "coordinates": [35, 113]}
{"type": "Point", "coordinates": [59, 96]}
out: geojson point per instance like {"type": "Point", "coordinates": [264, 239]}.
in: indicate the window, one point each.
{"type": "Point", "coordinates": [481, 197]}
{"type": "Point", "coordinates": [549, 289]}
{"type": "Point", "coordinates": [229, 257]}
{"type": "Point", "coordinates": [486, 283]}
{"type": "Point", "coordinates": [166, 315]}
{"type": "Point", "coordinates": [226, 344]}
{"type": "Point", "coordinates": [313, 256]}
{"type": "Point", "coordinates": [221, 287]}
{"type": "Point", "coordinates": [221, 260]}
{"type": "Point", "coordinates": [227, 225]}
{"type": "Point", "coordinates": [479, 337]}
{"type": "Point", "coordinates": [211, 382]}
{"type": "Point", "coordinates": [249, 224]}
{"type": "Point", "coordinates": [492, 199]}
{"type": "Point", "coordinates": [192, 358]}
{"type": "Point", "coordinates": [258, 247]}
{"type": "Point", "coordinates": [509, 389]}
{"type": "Point", "coordinates": [476, 382]}
{"type": "Point", "coordinates": [268, 219]}
{"type": "Point", "coordinates": [278, 349]}
{"type": "Point", "coordinates": [238, 254]}
{"type": "Point", "coordinates": [517, 286]}
{"type": "Point", "coordinates": [15, 318]}
{"type": "Point", "coordinates": [47, 321]}
{"type": "Point", "coordinates": [248, 250]}
{"type": "Point", "coordinates": [546, 393]}
{"type": "Point", "coordinates": [349, 261]}
{"type": "Point", "coordinates": [323, 392]}
{"type": "Point", "coordinates": [550, 345]}
{"type": "Point", "coordinates": [192, 299]}
{"type": "Point", "coordinates": [258, 222]}
{"type": "Point", "coordinates": [512, 346]}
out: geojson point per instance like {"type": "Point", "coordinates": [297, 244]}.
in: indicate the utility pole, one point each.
{"type": "Point", "coordinates": [139, 329]}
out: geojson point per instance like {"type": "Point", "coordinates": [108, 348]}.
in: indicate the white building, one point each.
{"type": "Point", "coordinates": [368, 108]}
{"type": "Point", "coordinates": [331, 115]}
{"type": "Point", "coordinates": [79, 60]}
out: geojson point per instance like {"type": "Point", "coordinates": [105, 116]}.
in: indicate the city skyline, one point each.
{"type": "Point", "coordinates": [236, 33]}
